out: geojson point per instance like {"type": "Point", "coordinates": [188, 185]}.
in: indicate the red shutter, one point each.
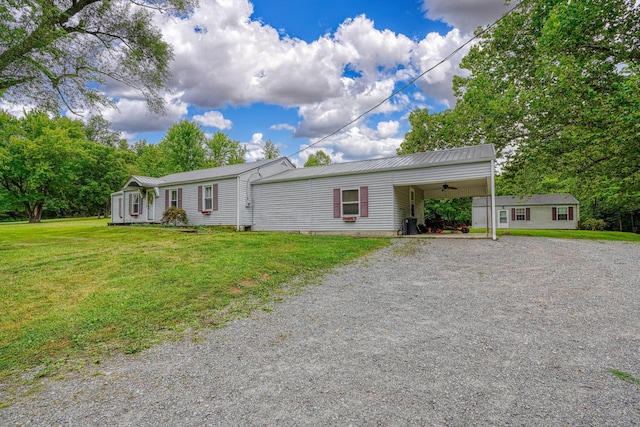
{"type": "Point", "coordinates": [528, 214]}
{"type": "Point", "coordinates": [513, 214]}
{"type": "Point", "coordinates": [130, 203]}
{"type": "Point", "coordinates": [199, 198]}
{"type": "Point", "coordinates": [120, 207]}
{"type": "Point", "coordinates": [570, 213]}
{"type": "Point", "coordinates": [336, 203]}
{"type": "Point", "coordinates": [166, 199]}
{"type": "Point", "coordinates": [179, 197]}
{"type": "Point", "coordinates": [554, 213]}
{"type": "Point", "coordinates": [214, 197]}
{"type": "Point", "coordinates": [364, 201]}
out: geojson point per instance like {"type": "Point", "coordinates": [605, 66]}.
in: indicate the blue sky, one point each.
{"type": "Point", "coordinates": [294, 71]}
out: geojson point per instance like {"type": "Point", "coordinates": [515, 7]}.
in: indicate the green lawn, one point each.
{"type": "Point", "coordinates": [78, 290]}
{"type": "Point", "coordinates": [567, 234]}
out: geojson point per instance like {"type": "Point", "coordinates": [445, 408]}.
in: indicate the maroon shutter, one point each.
{"type": "Point", "coordinates": [120, 207]}
{"type": "Point", "coordinates": [554, 213]}
{"type": "Point", "coordinates": [336, 203]}
{"type": "Point", "coordinates": [513, 214]}
{"type": "Point", "coordinates": [364, 201]}
{"type": "Point", "coordinates": [179, 197]}
{"type": "Point", "coordinates": [528, 214]}
{"type": "Point", "coordinates": [570, 213]}
{"type": "Point", "coordinates": [130, 203]}
{"type": "Point", "coordinates": [166, 199]}
{"type": "Point", "coordinates": [199, 198]}
{"type": "Point", "coordinates": [214, 197]}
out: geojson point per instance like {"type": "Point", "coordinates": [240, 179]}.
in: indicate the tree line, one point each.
{"type": "Point", "coordinates": [56, 167]}
{"type": "Point", "coordinates": [555, 86]}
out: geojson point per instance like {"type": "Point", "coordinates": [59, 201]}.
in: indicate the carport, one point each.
{"type": "Point", "coordinates": [370, 197]}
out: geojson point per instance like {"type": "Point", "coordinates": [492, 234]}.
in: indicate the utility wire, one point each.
{"type": "Point", "coordinates": [412, 82]}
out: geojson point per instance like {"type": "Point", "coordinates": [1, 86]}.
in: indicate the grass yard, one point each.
{"type": "Point", "coordinates": [76, 290]}
{"type": "Point", "coordinates": [566, 234]}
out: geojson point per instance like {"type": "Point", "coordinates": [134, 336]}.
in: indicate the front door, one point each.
{"type": "Point", "coordinates": [503, 219]}
{"type": "Point", "coordinates": [149, 205]}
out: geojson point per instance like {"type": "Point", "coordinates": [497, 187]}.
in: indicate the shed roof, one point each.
{"type": "Point", "coordinates": [536, 199]}
{"type": "Point", "coordinates": [477, 153]}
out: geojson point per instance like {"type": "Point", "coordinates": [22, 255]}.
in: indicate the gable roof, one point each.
{"type": "Point", "coordinates": [536, 199]}
{"type": "Point", "coordinates": [477, 153]}
{"type": "Point", "coordinates": [220, 172]}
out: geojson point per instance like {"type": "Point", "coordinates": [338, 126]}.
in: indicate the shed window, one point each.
{"type": "Point", "coordinates": [174, 198]}
{"type": "Point", "coordinates": [520, 214]}
{"type": "Point", "coordinates": [207, 197]}
{"type": "Point", "coordinates": [350, 202]}
{"type": "Point", "coordinates": [562, 213]}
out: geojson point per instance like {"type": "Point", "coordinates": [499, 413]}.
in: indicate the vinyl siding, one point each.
{"type": "Point", "coordinates": [541, 217]}
{"type": "Point", "coordinates": [227, 202]}
{"type": "Point", "coordinates": [307, 205]}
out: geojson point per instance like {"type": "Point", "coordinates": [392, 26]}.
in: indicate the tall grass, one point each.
{"type": "Point", "coordinates": [77, 290]}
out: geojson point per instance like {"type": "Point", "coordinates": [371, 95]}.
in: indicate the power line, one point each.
{"type": "Point", "coordinates": [413, 81]}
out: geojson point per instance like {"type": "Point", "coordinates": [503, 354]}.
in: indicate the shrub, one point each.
{"type": "Point", "coordinates": [174, 215]}
{"type": "Point", "coordinates": [592, 224]}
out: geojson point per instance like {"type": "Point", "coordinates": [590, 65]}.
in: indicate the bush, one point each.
{"type": "Point", "coordinates": [174, 216]}
{"type": "Point", "coordinates": [592, 224]}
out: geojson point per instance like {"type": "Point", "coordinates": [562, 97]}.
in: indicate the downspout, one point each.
{"type": "Point", "coordinates": [493, 199]}
{"type": "Point", "coordinates": [238, 203]}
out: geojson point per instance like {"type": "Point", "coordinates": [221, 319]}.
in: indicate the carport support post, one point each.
{"type": "Point", "coordinates": [493, 199]}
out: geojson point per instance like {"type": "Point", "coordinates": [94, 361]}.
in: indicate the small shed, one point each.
{"type": "Point", "coordinates": [540, 211]}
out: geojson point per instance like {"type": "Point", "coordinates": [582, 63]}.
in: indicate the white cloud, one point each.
{"type": "Point", "coordinates": [132, 116]}
{"type": "Point", "coordinates": [466, 15]}
{"type": "Point", "coordinates": [232, 60]}
{"type": "Point", "coordinates": [283, 126]}
{"type": "Point", "coordinates": [213, 119]}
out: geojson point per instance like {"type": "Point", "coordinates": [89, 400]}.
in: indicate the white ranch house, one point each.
{"type": "Point", "coordinates": [541, 211]}
{"type": "Point", "coordinates": [369, 197]}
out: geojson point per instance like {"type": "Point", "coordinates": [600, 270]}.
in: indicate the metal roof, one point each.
{"type": "Point", "coordinates": [536, 199]}
{"type": "Point", "coordinates": [204, 174]}
{"type": "Point", "coordinates": [477, 153]}
{"type": "Point", "coordinates": [147, 181]}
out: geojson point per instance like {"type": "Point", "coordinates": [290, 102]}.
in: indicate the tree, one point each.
{"type": "Point", "coordinates": [555, 87]}
{"type": "Point", "coordinates": [270, 151]}
{"type": "Point", "coordinates": [184, 147]}
{"type": "Point", "coordinates": [150, 160]}
{"type": "Point", "coordinates": [98, 129]}
{"type": "Point", "coordinates": [39, 160]}
{"type": "Point", "coordinates": [53, 53]}
{"type": "Point", "coordinates": [223, 150]}
{"type": "Point", "coordinates": [319, 158]}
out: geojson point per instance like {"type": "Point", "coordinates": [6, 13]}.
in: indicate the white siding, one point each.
{"type": "Point", "coordinates": [227, 202]}
{"type": "Point", "coordinates": [541, 217]}
{"type": "Point", "coordinates": [116, 209]}
{"type": "Point", "coordinates": [307, 206]}
{"type": "Point", "coordinates": [127, 218]}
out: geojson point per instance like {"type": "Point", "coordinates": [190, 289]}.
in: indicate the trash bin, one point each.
{"type": "Point", "coordinates": [411, 226]}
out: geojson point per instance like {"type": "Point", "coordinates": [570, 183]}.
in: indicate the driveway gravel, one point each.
{"type": "Point", "coordinates": [437, 332]}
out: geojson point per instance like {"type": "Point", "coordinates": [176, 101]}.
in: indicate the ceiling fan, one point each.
{"type": "Point", "coordinates": [446, 187]}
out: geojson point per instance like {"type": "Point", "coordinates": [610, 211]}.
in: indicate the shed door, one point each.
{"type": "Point", "coordinates": [503, 219]}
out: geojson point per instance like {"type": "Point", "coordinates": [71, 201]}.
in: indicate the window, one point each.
{"type": "Point", "coordinates": [135, 204]}
{"type": "Point", "coordinates": [350, 202]}
{"type": "Point", "coordinates": [208, 198]}
{"type": "Point", "coordinates": [503, 217]}
{"type": "Point", "coordinates": [174, 198]}
{"type": "Point", "coordinates": [520, 214]}
{"type": "Point", "coordinates": [563, 214]}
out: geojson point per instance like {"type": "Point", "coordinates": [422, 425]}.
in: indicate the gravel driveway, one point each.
{"type": "Point", "coordinates": [522, 331]}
